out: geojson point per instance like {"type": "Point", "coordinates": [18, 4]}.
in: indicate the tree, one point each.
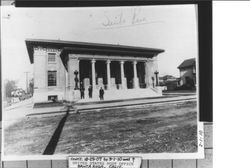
{"type": "Point", "coordinates": [9, 86]}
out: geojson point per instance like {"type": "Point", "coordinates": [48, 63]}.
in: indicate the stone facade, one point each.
{"type": "Point", "coordinates": [41, 68]}
{"type": "Point", "coordinates": [111, 72]}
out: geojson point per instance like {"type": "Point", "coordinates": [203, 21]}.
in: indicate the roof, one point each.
{"type": "Point", "coordinates": [187, 63]}
{"type": "Point", "coordinates": [91, 48]}
{"type": "Point", "coordinates": [166, 77]}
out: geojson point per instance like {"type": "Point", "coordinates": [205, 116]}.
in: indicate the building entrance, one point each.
{"type": "Point", "coordinates": [128, 72]}
{"type": "Point", "coordinates": [115, 74]}
{"type": "Point", "coordinates": [85, 73]}
{"type": "Point", "coordinates": [141, 74]}
{"type": "Point", "coordinates": [100, 74]}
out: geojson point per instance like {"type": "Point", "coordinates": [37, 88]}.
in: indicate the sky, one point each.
{"type": "Point", "coordinates": [170, 27]}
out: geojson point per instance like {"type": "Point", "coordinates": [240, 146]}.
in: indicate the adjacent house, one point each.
{"type": "Point", "coordinates": [188, 73]}
{"type": "Point", "coordinates": [169, 82]}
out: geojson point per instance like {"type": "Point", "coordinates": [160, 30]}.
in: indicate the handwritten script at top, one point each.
{"type": "Point", "coordinates": [122, 20]}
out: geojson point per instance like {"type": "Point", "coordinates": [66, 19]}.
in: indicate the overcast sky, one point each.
{"type": "Point", "coordinates": [172, 28]}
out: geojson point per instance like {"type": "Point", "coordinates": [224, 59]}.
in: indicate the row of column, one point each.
{"type": "Point", "coordinates": [123, 80]}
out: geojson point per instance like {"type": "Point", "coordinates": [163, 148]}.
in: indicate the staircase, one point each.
{"type": "Point", "coordinates": [125, 94]}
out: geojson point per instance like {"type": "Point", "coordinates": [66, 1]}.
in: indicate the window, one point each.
{"type": "Point", "coordinates": [52, 98]}
{"type": "Point", "coordinates": [51, 57]}
{"type": "Point", "coordinates": [51, 78]}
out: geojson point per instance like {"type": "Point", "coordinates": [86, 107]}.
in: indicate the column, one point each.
{"type": "Point", "coordinates": [108, 73]}
{"type": "Point", "coordinates": [93, 74]}
{"type": "Point", "coordinates": [136, 81]}
{"type": "Point", "coordinates": [123, 79]}
{"type": "Point", "coordinates": [145, 75]}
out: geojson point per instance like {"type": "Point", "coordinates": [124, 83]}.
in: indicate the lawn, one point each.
{"type": "Point", "coordinates": [140, 129]}
{"type": "Point", "coordinates": [30, 135]}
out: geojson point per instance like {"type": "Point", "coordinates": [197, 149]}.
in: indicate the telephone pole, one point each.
{"type": "Point", "coordinates": [27, 81]}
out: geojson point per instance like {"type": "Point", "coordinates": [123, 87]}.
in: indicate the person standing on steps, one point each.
{"type": "Point", "coordinates": [90, 91]}
{"type": "Point", "coordinates": [82, 89]}
{"type": "Point", "coordinates": [82, 93]}
{"type": "Point", "coordinates": [81, 85]}
{"type": "Point", "coordinates": [101, 93]}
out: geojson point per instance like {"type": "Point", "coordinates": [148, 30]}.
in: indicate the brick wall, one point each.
{"type": "Point", "coordinates": [193, 163]}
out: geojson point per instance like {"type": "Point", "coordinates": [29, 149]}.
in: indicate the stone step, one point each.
{"type": "Point", "coordinates": [123, 94]}
{"type": "Point", "coordinates": [129, 93]}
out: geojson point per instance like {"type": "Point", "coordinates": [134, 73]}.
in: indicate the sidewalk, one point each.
{"type": "Point", "coordinates": [20, 104]}
{"type": "Point", "coordinates": [13, 115]}
{"type": "Point", "coordinates": [107, 104]}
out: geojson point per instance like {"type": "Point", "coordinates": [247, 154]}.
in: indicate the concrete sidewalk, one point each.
{"type": "Point", "coordinates": [13, 115]}
{"type": "Point", "coordinates": [107, 104]}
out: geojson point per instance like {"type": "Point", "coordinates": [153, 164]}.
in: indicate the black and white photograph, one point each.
{"type": "Point", "coordinates": [100, 81]}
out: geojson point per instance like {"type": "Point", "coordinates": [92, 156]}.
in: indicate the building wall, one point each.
{"type": "Point", "coordinates": [41, 68]}
{"type": "Point", "coordinates": [186, 73]}
{"type": "Point", "coordinates": [73, 65]}
{"type": "Point", "coordinates": [150, 67]}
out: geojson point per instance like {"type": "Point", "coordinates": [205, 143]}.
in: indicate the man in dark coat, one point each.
{"type": "Point", "coordinates": [82, 92]}
{"type": "Point", "coordinates": [90, 91]}
{"type": "Point", "coordinates": [101, 93]}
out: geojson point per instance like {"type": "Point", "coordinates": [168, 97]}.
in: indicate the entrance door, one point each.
{"type": "Point", "coordinates": [141, 74]}
{"type": "Point", "coordinates": [85, 72]}
{"type": "Point", "coordinates": [128, 72]}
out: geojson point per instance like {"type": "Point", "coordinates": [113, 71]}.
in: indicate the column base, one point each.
{"type": "Point", "coordinates": [124, 83]}
{"type": "Point", "coordinates": [135, 83]}
{"type": "Point", "coordinates": [108, 87]}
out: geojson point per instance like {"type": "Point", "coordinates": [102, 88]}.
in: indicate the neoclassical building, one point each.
{"type": "Point", "coordinates": [122, 71]}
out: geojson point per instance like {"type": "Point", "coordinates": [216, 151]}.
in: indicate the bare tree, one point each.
{"type": "Point", "coordinates": [9, 86]}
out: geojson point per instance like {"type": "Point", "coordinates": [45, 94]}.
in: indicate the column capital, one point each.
{"type": "Point", "coordinates": [122, 62]}
{"type": "Point", "coordinates": [108, 62]}
{"type": "Point", "coordinates": [93, 61]}
{"type": "Point", "coordinates": [135, 62]}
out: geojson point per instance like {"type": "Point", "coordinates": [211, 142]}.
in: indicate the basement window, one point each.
{"type": "Point", "coordinates": [52, 98]}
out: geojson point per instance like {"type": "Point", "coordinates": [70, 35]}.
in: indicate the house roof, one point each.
{"type": "Point", "coordinates": [167, 77]}
{"type": "Point", "coordinates": [187, 63]}
{"type": "Point", "coordinates": [91, 48]}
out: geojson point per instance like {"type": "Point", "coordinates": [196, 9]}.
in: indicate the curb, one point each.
{"type": "Point", "coordinates": [111, 101]}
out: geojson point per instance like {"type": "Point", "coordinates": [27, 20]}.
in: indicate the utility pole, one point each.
{"type": "Point", "coordinates": [27, 81]}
